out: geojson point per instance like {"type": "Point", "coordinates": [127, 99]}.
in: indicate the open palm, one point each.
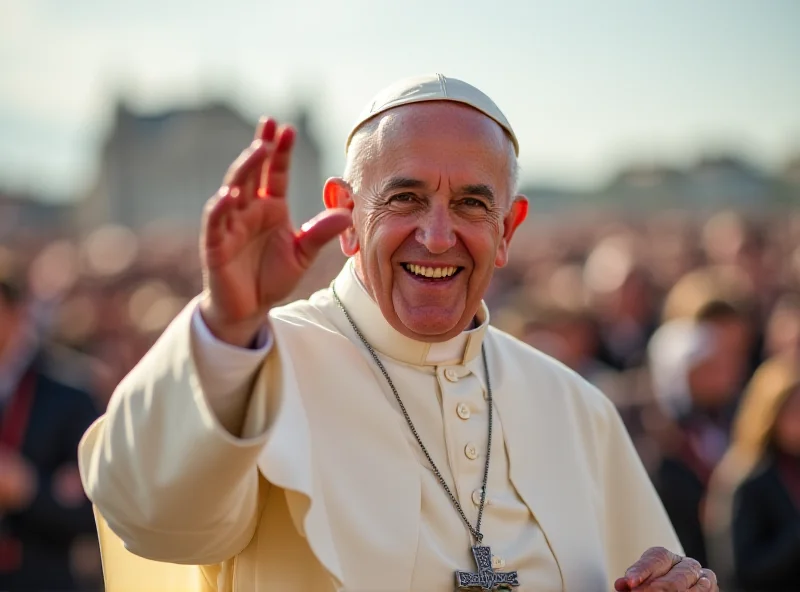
{"type": "Point", "coordinates": [252, 255]}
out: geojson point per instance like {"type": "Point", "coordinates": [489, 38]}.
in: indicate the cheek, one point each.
{"type": "Point", "coordinates": [384, 232]}
{"type": "Point", "coordinates": [482, 240]}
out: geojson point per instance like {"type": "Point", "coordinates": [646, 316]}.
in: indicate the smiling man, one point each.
{"type": "Point", "coordinates": [380, 436]}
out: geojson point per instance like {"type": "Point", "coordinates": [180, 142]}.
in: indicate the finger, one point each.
{"type": "Point", "coordinates": [218, 211]}
{"type": "Point", "coordinates": [277, 180]}
{"type": "Point", "coordinates": [621, 585]}
{"type": "Point", "coordinates": [317, 232]}
{"type": "Point", "coordinates": [707, 574]}
{"type": "Point", "coordinates": [247, 162]}
{"type": "Point", "coordinates": [265, 130]}
{"type": "Point", "coordinates": [251, 179]}
{"type": "Point", "coordinates": [654, 563]}
{"type": "Point", "coordinates": [681, 577]}
{"type": "Point", "coordinates": [703, 585]}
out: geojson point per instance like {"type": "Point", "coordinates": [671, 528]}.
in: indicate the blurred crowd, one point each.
{"type": "Point", "coordinates": [690, 324]}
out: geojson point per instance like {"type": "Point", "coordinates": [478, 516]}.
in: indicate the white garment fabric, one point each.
{"type": "Point", "coordinates": [452, 417]}
{"type": "Point", "coordinates": [318, 483]}
{"type": "Point", "coordinates": [225, 370]}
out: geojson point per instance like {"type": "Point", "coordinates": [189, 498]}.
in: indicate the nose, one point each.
{"type": "Point", "coordinates": [436, 232]}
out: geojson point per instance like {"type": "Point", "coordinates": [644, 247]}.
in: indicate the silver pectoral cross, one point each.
{"type": "Point", "coordinates": [486, 580]}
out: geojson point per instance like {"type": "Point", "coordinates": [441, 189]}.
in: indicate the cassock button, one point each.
{"type": "Point", "coordinates": [471, 451]}
{"type": "Point", "coordinates": [476, 498]}
{"type": "Point", "coordinates": [498, 562]}
{"type": "Point", "coordinates": [451, 375]}
{"type": "Point", "coordinates": [463, 411]}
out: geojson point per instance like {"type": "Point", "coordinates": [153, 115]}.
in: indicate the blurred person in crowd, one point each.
{"type": "Point", "coordinates": [669, 248]}
{"type": "Point", "coordinates": [753, 511]}
{"type": "Point", "coordinates": [727, 293]}
{"type": "Point", "coordinates": [622, 296]}
{"type": "Point", "coordinates": [782, 335]}
{"type": "Point", "coordinates": [697, 371]}
{"type": "Point", "coordinates": [44, 515]}
{"type": "Point", "coordinates": [563, 325]}
{"type": "Point", "coordinates": [569, 335]}
{"type": "Point", "coordinates": [731, 239]}
{"type": "Point", "coordinates": [368, 437]}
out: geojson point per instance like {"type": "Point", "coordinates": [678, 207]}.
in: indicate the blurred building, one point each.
{"type": "Point", "coordinates": [20, 212]}
{"type": "Point", "coordinates": [790, 181]}
{"type": "Point", "coordinates": [711, 183]}
{"type": "Point", "coordinates": [163, 167]}
{"type": "Point", "coordinates": [791, 171]}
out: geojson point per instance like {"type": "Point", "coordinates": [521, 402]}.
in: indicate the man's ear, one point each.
{"type": "Point", "coordinates": [337, 193]}
{"type": "Point", "coordinates": [514, 217]}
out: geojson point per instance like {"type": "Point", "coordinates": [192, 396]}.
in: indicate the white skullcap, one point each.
{"type": "Point", "coordinates": [432, 87]}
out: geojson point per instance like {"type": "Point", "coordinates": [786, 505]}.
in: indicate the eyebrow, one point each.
{"type": "Point", "coordinates": [477, 189]}
{"type": "Point", "coordinates": [396, 183]}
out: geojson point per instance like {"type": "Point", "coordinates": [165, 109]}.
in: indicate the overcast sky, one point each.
{"type": "Point", "coordinates": [586, 84]}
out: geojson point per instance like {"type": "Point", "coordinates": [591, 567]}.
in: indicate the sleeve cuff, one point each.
{"type": "Point", "coordinates": [207, 343]}
{"type": "Point", "coordinates": [224, 370]}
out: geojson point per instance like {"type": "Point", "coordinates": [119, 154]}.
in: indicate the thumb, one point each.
{"type": "Point", "coordinates": [318, 231]}
{"type": "Point", "coordinates": [621, 585]}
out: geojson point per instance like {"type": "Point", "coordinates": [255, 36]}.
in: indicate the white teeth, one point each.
{"type": "Point", "coordinates": [431, 272]}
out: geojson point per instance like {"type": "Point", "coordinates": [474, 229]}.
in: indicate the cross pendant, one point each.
{"type": "Point", "coordinates": [486, 580]}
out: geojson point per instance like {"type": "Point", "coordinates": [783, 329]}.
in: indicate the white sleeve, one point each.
{"type": "Point", "coordinates": [226, 371]}
{"type": "Point", "coordinates": [172, 481]}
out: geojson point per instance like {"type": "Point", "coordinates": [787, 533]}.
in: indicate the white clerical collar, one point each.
{"type": "Point", "coordinates": [367, 315]}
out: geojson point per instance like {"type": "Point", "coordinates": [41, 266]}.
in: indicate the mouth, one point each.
{"type": "Point", "coordinates": [432, 273]}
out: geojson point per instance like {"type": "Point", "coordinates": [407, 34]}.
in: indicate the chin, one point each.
{"type": "Point", "coordinates": [430, 329]}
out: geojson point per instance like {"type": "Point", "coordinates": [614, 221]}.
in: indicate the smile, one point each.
{"type": "Point", "coordinates": [431, 272]}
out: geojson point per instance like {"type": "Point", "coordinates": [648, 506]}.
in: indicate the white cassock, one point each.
{"type": "Point", "coordinates": [325, 488]}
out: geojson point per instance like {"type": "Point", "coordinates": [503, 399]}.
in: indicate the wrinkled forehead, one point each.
{"type": "Point", "coordinates": [434, 132]}
{"type": "Point", "coordinates": [436, 145]}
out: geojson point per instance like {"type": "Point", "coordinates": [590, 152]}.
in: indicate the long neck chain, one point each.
{"type": "Point", "coordinates": [476, 530]}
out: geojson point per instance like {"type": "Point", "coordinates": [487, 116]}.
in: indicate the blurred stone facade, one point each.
{"type": "Point", "coordinates": [161, 168]}
{"type": "Point", "coordinates": [711, 183]}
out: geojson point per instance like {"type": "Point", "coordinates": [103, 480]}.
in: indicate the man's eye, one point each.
{"type": "Point", "coordinates": [473, 202]}
{"type": "Point", "coordinates": [402, 197]}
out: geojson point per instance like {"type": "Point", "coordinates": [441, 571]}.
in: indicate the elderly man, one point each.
{"type": "Point", "coordinates": [380, 436]}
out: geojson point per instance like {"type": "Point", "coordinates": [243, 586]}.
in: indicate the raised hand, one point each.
{"type": "Point", "coordinates": [252, 255]}
{"type": "Point", "coordinates": [660, 570]}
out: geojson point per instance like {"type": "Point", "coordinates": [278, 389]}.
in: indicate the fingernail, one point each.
{"type": "Point", "coordinates": [704, 583]}
{"type": "Point", "coordinates": [633, 577]}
